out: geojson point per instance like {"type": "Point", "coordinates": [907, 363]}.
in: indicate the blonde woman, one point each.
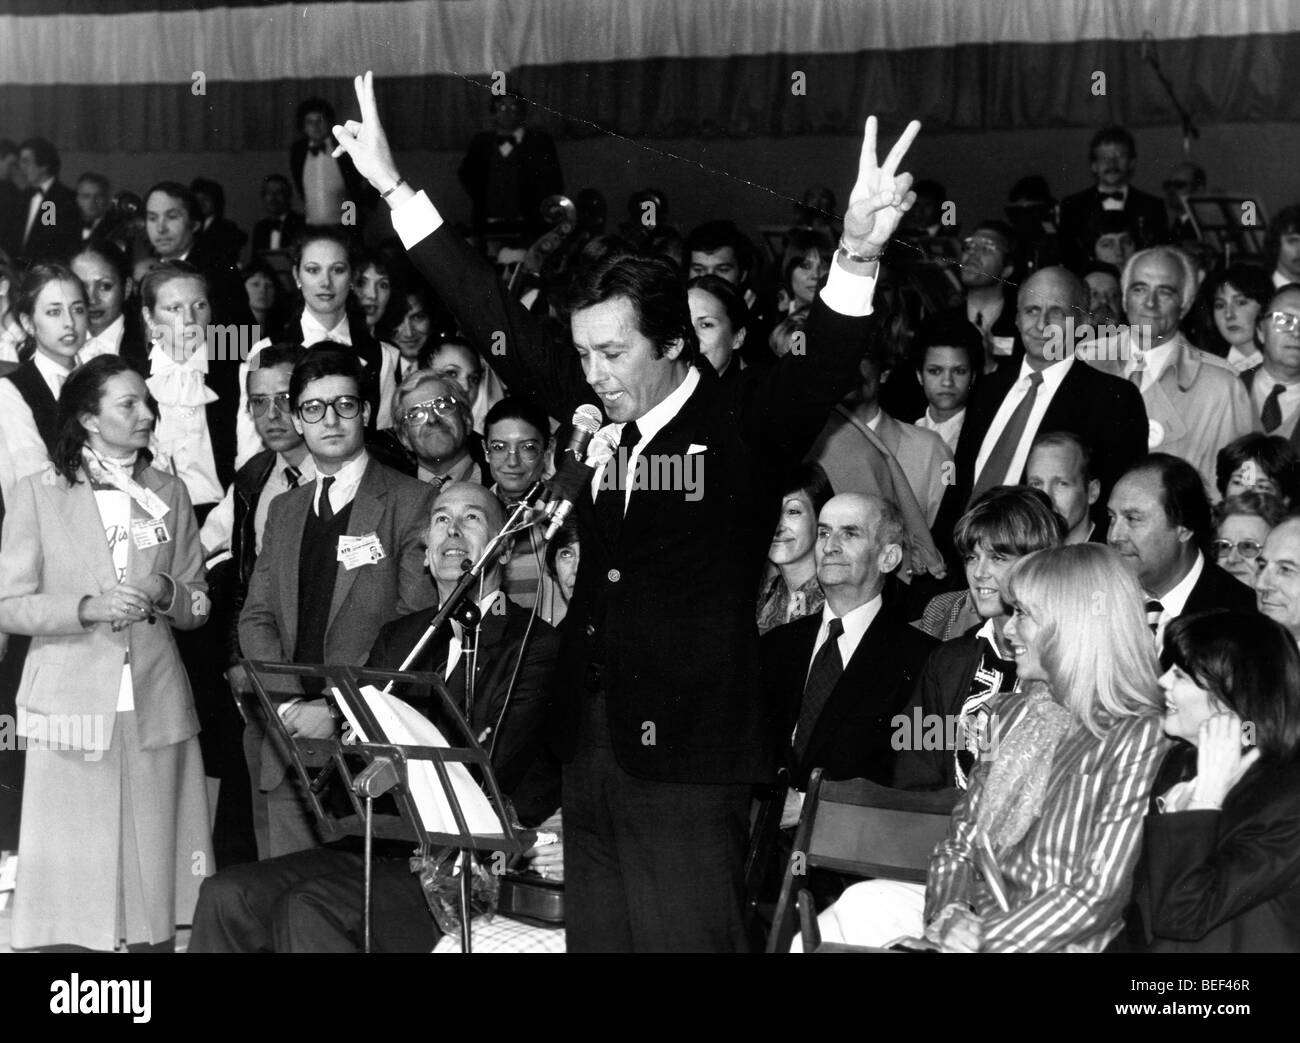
{"type": "Point", "coordinates": [1041, 850]}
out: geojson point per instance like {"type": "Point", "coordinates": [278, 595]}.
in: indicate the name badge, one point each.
{"type": "Point", "coordinates": [355, 551]}
{"type": "Point", "coordinates": [146, 533]}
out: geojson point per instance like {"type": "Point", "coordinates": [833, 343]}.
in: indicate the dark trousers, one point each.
{"type": "Point", "coordinates": [312, 901]}
{"type": "Point", "coordinates": [650, 866]}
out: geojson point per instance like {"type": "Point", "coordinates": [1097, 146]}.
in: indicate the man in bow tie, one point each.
{"type": "Point", "coordinates": [661, 721]}
{"type": "Point", "coordinates": [51, 227]}
{"type": "Point", "coordinates": [325, 184]}
{"type": "Point", "coordinates": [1112, 154]}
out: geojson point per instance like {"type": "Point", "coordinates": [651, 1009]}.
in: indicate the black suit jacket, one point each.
{"type": "Point", "coordinates": [1225, 881]}
{"type": "Point", "coordinates": [1105, 411]}
{"type": "Point", "coordinates": [517, 743]}
{"type": "Point", "coordinates": [668, 608]}
{"type": "Point", "coordinates": [291, 227]}
{"type": "Point", "coordinates": [851, 738]}
{"type": "Point", "coordinates": [1219, 589]}
{"type": "Point", "coordinates": [55, 241]}
{"type": "Point", "coordinates": [540, 175]}
{"type": "Point", "coordinates": [1081, 211]}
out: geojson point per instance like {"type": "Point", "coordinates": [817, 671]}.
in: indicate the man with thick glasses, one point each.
{"type": "Point", "coordinates": [1274, 386]}
{"type": "Point", "coordinates": [341, 556]}
{"type": "Point", "coordinates": [434, 420]}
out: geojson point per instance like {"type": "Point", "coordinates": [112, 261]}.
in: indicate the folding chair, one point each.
{"type": "Point", "coordinates": [856, 827]}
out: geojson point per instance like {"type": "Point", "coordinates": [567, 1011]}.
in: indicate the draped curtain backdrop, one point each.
{"type": "Point", "coordinates": [195, 76]}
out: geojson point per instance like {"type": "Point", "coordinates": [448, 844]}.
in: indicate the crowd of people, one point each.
{"type": "Point", "coordinates": [1050, 497]}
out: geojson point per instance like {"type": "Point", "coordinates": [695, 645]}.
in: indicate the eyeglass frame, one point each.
{"type": "Point", "coordinates": [328, 404]}
{"type": "Point", "coordinates": [1222, 548]}
{"type": "Point", "coordinates": [1292, 321]}
{"type": "Point", "coordinates": [506, 449]}
{"type": "Point", "coordinates": [269, 402]}
{"type": "Point", "coordinates": [453, 407]}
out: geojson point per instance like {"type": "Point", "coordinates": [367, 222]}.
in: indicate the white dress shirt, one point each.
{"type": "Point", "coordinates": [1052, 377]}
{"type": "Point", "coordinates": [1112, 203]}
{"type": "Point", "coordinates": [949, 430]}
{"type": "Point", "coordinates": [323, 188]}
{"type": "Point", "coordinates": [1242, 362]}
{"type": "Point", "coordinates": [455, 648]}
{"type": "Point", "coordinates": [1154, 362]}
{"type": "Point", "coordinates": [22, 450]}
{"type": "Point", "coordinates": [107, 342]}
{"type": "Point", "coordinates": [220, 523]}
{"type": "Point", "coordinates": [181, 440]}
{"type": "Point", "coordinates": [1175, 601]}
{"type": "Point", "coordinates": [346, 481]}
{"type": "Point", "coordinates": [856, 622]}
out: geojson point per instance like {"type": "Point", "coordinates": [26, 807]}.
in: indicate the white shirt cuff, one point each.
{"type": "Point", "coordinates": [844, 292]}
{"type": "Point", "coordinates": [415, 219]}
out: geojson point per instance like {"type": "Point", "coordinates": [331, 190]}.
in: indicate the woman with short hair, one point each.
{"type": "Point", "coordinates": [1241, 524]}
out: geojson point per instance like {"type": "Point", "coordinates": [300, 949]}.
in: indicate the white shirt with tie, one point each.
{"type": "Point", "coordinates": [34, 207]}
{"type": "Point", "coordinates": [1153, 362]}
{"type": "Point", "coordinates": [1173, 602]}
{"type": "Point", "coordinates": [1261, 386]}
{"type": "Point", "coordinates": [22, 450]}
{"type": "Point", "coordinates": [1053, 375]}
{"type": "Point", "coordinates": [220, 522]}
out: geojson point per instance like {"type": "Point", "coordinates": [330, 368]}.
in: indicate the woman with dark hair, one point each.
{"type": "Point", "coordinates": [325, 264]}
{"type": "Point", "coordinates": [194, 438]}
{"type": "Point", "coordinates": [1220, 869]}
{"type": "Point", "coordinates": [1241, 524]}
{"type": "Point", "coordinates": [1227, 305]}
{"type": "Point", "coordinates": [791, 591]}
{"type": "Point", "coordinates": [720, 315]}
{"type": "Point", "coordinates": [100, 560]}
{"type": "Point", "coordinates": [562, 556]}
{"type": "Point", "coordinates": [114, 326]}
{"type": "Point", "coordinates": [1040, 852]}
{"type": "Point", "coordinates": [1261, 463]}
{"type": "Point", "coordinates": [805, 263]}
{"type": "Point", "coordinates": [965, 675]}
{"type": "Point", "coordinates": [51, 307]}
{"type": "Point", "coordinates": [265, 298]}
{"type": "Point", "coordinates": [374, 290]}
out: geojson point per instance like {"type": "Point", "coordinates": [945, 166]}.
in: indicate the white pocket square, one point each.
{"type": "Point", "coordinates": [693, 449]}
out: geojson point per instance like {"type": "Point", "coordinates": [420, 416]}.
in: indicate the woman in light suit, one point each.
{"type": "Point", "coordinates": [100, 559]}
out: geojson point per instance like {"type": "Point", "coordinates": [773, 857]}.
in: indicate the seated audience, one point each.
{"type": "Point", "coordinates": [1274, 386]}
{"type": "Point", "coordinates": [1160, 526]}
{"type": "Point", "coordinates": [1277, 586]}
{"type": "Point", "coordinates": [1242, 523]}
{"type": "Point", "coordinates": [312, 901]}
{"type": "Point", "coordinates": [791, 591]}
{"type": "Point", "coordinates": [1056, 816]}
{"type": "Point", "coordinates": [303, 604]}
{"type": "Point", "coordinates": [114, 327]}
{"type": "Point", "coordinates": [115, 834]}
{"type": "Point", "coordinates": [1228, 307]}
{"type": "Point", "coordinates": [1220, 866]}
{"type": "Point", "coordinates": [1259, 463]}
{"type": "Point", "coordinates": [964, 677]}
{"type": "Point", "coordinates": [1060, 465]}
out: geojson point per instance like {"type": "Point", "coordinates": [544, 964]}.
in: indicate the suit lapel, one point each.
{"type": "Point", "coordinates": [855, 685]}
{"type": "Point", "coordinates": [670, 446]}
{"type": "Point", "coordinates": [296, 505]}
{"type": "Point", "coordinates": [367, 512]}
{"type": "Point", "coordinates": [80, 516]}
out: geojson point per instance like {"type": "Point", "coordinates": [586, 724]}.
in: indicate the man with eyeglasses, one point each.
{"type": "Point", "coordinates": [341, 556]}
{"type": "Point", "coordinates": [1274, 385]}
{"type": "Point", "coordinates": [1160, 524]}
{"type": "Point", "coordinates": [433, 417]}
{"type": "Point", "coordinates": [986, 267]}
{"type": "Point", "coordinates": [518, 437]}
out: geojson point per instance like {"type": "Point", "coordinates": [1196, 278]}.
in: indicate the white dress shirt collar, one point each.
{"type": "Point", "coordinates": [347, 479]}
{"type": "Point", "coordinates": [1053, 374]}
{"type": "Point", "coordinates": [656, 418]}
{"type": "Point", "coordinates": [856, 622]}
{"type": "Point", "coordinates": [106, 342]}
{"type": "Point", "coordinates": [51, 372]}
{"type": "Point", "coordinates": [313, 332]}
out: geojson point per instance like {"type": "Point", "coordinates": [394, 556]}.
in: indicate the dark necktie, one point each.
{"type": "Point", "coordinates": [1154, 611]}
{"type": "Point", "coordinates": [611, 500]}
{"type": "Point", "coordinates": [292, 476]}
{"type": "Point", "coordinates": [825, 674]}
{"type": "Point", "coordinates": [325, 509]}
{"type": "Point", "coordinates": [1004, 450]}
{"type": "Point", "coordinates": [1271, 414]}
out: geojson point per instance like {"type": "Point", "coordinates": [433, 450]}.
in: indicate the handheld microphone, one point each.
{"type": "Point", "coordinates": [573, 469]}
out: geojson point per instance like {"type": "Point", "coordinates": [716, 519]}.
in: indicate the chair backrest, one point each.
{"type": "Point", "coordinates": [860, 828]}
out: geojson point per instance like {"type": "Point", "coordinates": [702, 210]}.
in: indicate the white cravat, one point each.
{"type": "Point", "coordinates": [181, 439]}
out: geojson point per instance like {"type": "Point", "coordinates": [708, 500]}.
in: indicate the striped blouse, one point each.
{"type": "Point", "coordinates": [1068, 879]}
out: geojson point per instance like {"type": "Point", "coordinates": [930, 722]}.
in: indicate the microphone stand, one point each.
{"type": "Point", "coordinates": [1190, 133]}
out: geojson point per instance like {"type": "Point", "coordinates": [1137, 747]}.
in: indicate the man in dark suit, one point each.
{"type": "Point", "coordinates": [835, 701]}
{"type": "Point", "coordinates": [1047, 390]}
{"type": "Point", "coordinates": [172, 222]}
{"type": "Point", "coordinates": [1113, 157]}
{"type": "Point", "coordinates": [51, 223]}
{"type": "Point", "coordinates": [1160, 524]}
{"type": "Point", "coordinates": [509, 170]}
{"type": "Point", "coordinates": [310, 600]}
{"type": "Point", "coordinates": [13, 208]}
{"type": "Point", "coordinates": [661, 722]}
{"type": "Point", "coordinates": [311, 901]}
{"type": "Point", "coordinates": [282, 225]}
{"type": "Point", "coordinates": [1274, 386]}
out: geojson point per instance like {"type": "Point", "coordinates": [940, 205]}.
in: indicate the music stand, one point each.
{"type": "Point", "coordinates": [1220, 221]}
{"type": "Point", "coordinates": [386, 771]}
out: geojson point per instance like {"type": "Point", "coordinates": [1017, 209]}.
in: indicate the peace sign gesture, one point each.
{"type": "Point", "coordinates": [881, 197]}
{"type": "Point", "coordinates": [365, 141]}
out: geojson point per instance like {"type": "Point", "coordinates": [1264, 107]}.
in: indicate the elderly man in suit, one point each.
{"type": "Point", "coordinates": [312, 901]}
{"type": "Point", "coordinates": [1160, 525]}
{"type": "Point", "coordinates": [1278, 586]}
{"type": "Point", "coordinates": [340, 557]}
{"type": "Point", "coordinates": [1195, 405]}
{"type": "Point", "coordinates": [1274, 386]}
{"type": "Point", "coordinates": [836, 679]}
{"type": "Point", "coordinates": [1049, 389]}
{"type": "Point", "coordinates": [661, 724]}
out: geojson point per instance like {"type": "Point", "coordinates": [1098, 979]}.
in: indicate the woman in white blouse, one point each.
{"type": "Point", "coordinates": [100, 561]}
{"type": "Point", "coordinates": [324, 268]}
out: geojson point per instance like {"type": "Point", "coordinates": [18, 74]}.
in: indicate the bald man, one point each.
{"type": "Point", "coordinates": [1278, 586]}
{"type": "Point", "coordinates": [1048, 390]}
{"type": "Point", "coordinates": [835, 699]}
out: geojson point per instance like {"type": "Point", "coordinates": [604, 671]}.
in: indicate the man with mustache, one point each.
{"type": "Point", "coordinates": [433, 419]}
